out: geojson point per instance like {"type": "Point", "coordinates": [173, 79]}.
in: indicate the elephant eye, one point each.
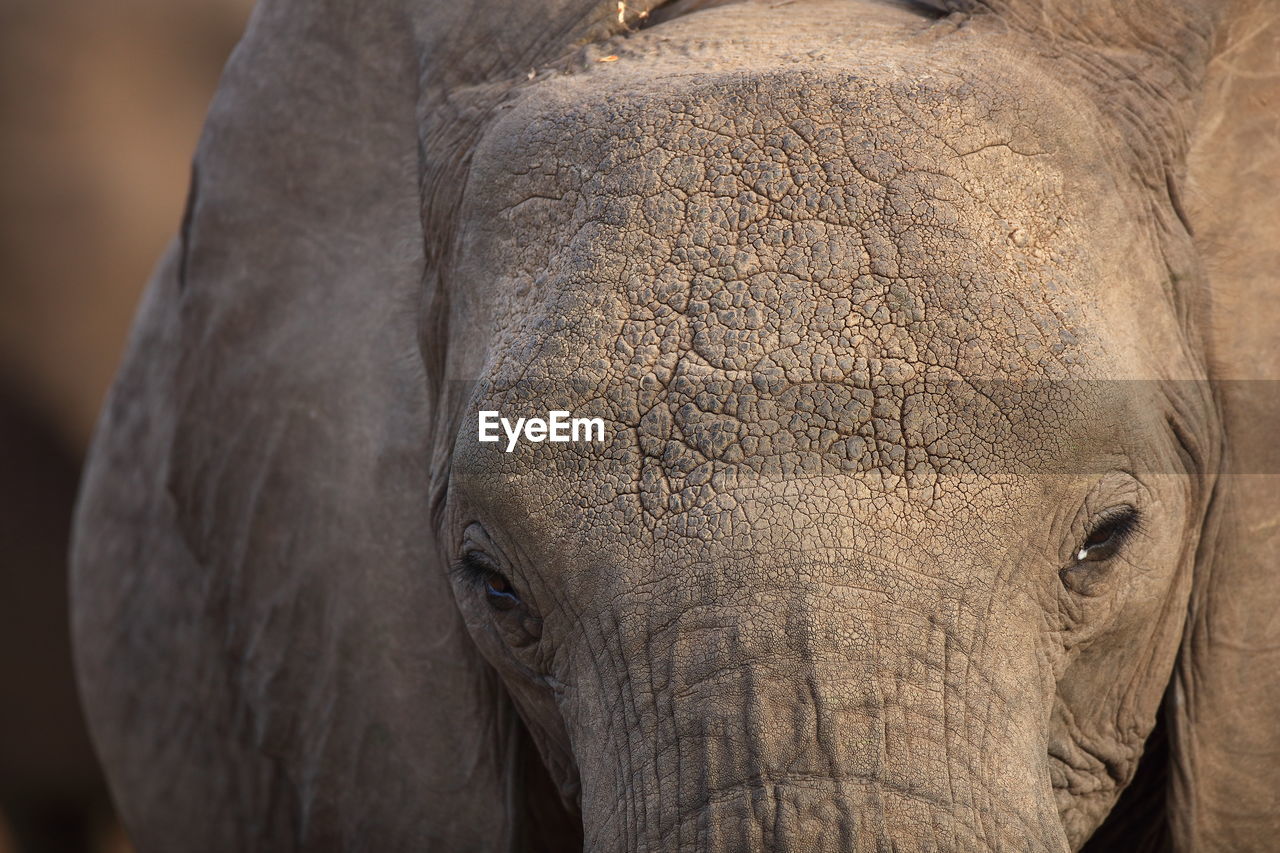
{"type": "Point", "coordinates": [1111, 532]}
{"type": "Point", "coordinates": [498, 592]}
{"type": "Point", "coordinates": [476, 572]}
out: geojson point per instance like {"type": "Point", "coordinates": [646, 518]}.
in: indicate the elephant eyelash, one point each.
{"type": "Point", "coordinates": [1115, 529]}
{"type": "Point", "coordinates": [472, 571]}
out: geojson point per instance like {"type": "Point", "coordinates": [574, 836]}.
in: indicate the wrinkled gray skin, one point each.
{"type": "Point", "coordinates": [853, 283]}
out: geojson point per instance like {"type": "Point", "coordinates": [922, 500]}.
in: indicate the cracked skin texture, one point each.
{"type": "Point", "coordinates": [839, 315]}
{"type": "Point", "coordinates": [853, 282]}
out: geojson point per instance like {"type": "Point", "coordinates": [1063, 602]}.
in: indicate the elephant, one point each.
{"type": "Point", "coordinates": [935, 503]}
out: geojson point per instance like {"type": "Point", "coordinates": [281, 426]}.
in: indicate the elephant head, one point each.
{"type": "Point", "coordinates": [905, 526]}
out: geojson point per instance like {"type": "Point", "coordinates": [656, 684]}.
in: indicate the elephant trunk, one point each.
{"type": "Point", "coordinates": [803, 732]}
{"type": "Point", "coordinates": [807, 815]}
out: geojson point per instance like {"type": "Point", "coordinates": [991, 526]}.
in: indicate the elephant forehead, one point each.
{"type": "Point", "coordinates": [776, 220]}
{"type": "Point", "coordinates": [775, 276]}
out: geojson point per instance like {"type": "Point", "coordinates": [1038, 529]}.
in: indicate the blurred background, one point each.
{"type": "Point", "coordinates": [101, 103]}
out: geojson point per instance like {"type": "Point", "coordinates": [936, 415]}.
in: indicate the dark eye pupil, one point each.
{"type": "Point", "coordinates": [498, 591]}
{"type": "Point", "coordinates": [1099, 536]}
{"type": "Point", "coordinates": [1108, 537]}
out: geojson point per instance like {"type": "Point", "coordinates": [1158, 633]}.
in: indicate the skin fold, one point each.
{"type": "Point", "coordinates": [934, 510]}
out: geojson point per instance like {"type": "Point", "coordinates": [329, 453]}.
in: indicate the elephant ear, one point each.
{"type": "Point", "coordinates": [267, 643]}
{"type": "Point", "coordinates": [1226, 701]}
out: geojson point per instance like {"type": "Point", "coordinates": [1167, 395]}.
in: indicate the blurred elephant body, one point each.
{"type": "Point", "coordinates": [913, 513]}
